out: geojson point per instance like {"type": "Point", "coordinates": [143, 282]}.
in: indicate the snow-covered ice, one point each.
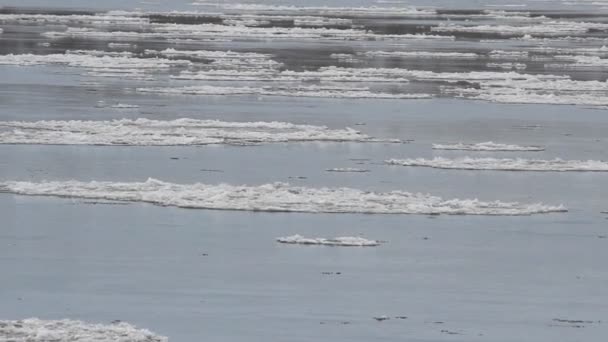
{"type": "Point", "coordinates": [274, 197]}
{"type": "Point", "coordinates": [37, 330]}
{"type": "Point", "coordinates": [505, 164]}
{"type": "Point", "coordinates": [146, 132]}
{"type": "Point", "coordinates": [343, 241]}
{"type": "Point", "coordinates": [486, 146]}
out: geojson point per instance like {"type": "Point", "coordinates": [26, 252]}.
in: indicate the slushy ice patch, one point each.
{"type": "Point", "coordinates": [274, 197]}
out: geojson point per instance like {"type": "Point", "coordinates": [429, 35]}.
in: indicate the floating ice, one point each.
{"type": "Point", "coordinates": [547, 28]}
{"type": "Point", "coordinates": [214, 31]}
{"type": "Point", "coordinates": [367, 12]}
{"type": "Point", "coordinates": [120, 45]}
{"type": "Point", "coordinates": [421, 54]}
{"type": "Point", "coordinates": [330, 74]}
{"type": "Point", "coordinates": [345, 241]}
{"type": "Point", "coordinates": [579, 62]}
{"type": "Point", "coordinates": [109, 18]}
{"type": "Point", "coordinates": [507, 66]}
{"type": "Point", "coordinates": [292, 91]}
{"type": "Point", "coordinates": [599, 51]}
{"type": "Point", "coordinates": [223, 59]}
{"type": "Point", "coordinates": [536, 89]}
{"type": "Point", "coordinates": [116, 106]}
{"type": "Point", "coordinates": [210, 54]}
{"type": "Point", "coordinates": [37, 330]}
{"type": "Point", "coordinates": [501, 54]}
{"type": "Point", "coordinates": [487, 146]}
{"type": "Point", "coordinates": [505, 164]}
{"type": "Point", "coordinates": [275, 197]}
{"type": "Point", "coordinates": [145, 132]}
{"type": "Point", "coordinates": [93, 60]}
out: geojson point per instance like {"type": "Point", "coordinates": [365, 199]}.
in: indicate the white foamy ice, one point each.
{"type": "Point", "coordinates": [120, 45]}
{"type": "Point", "coordinates": [298, 20]}
{"type": "Point", "coordinates": [579, 62]}
{"type": "Point", "coordinates": [145, 132]}
{"type": "Point", "coordinates": [274, 197]}
{"type": "Point", "coordinates": [291, 91]}
{"type": "Point", "coordinates": [329, 11]}
{"type": "Point", "coordinates": [518, 164]}
{"type": "Point", "coordinates": [588, 51]}
{"type": "Point", "coordinates": [109, 18]}
{"type": "Point", "coordinates": [224, 59]}
{"type": "Point", "coordinates": [94, 60]}
{"type": "Point", "coordinates": [502, 54]}
{"type": "Point", "coordinates": [487, 146]}
{"type": "Point", "coordinates": [343, 241]}
{"type": "Point", "coordinates": [546, 28]}
{"type": "Point", "coordinates": [421, 54]}
{"type": "Point", "coordinates": [215, 31]}
{"type": "Point", "coordinates": [507, 66]}
{"type": "Point", "coordinates": [37, 330]}
{"type": "Point", "coordinates": [118, 106]}
{"type": "Point", "coordinates": [170, 52]}
{"type": "Point", "coordinates": [523, 88]}
{"type": "Point", "coordinates": [331, 74]}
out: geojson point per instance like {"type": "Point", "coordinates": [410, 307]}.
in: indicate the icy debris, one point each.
{"type": "Point", "coordinates": [367, 12]}
{"type": "Point", "coordinates": [94, 60]}
{"type": "Point", "coordinates": [576, 62]}
{"type": "Point", "coordinates": [544, 29]}
{"type": "Point", "coordinates": [116, 106]}
{"type": "Point", "coordinates": [346, 241]}
{"type": "Point", "coordinates": [507, 66]}
{"type": "Point", "coordinates": [274, 197]}
{"type": "Point", "coordinates": [421, 54]}
{"type": "Point", "coordinates": [110, 18]}
{"type": "Point", "coordinates": [120, 45]}
{"type": "Point", "coordinates": [505, 164]}
{"type": "Point", "coordinates": [215, 31]}
{"type": "Point", "coordinates": [170, 52]}
{"type": "Point", "coordinates": [37, 330]}
{"type": "Point", "coordinates": [145, 132]}
{"type": "Point", "coordinates": [292, 91]}
{"type": "Point", "coordinates": [587, 51]}
{"type": "Point", "coordinates": [487, 146]}
{"type": "Point", "coordinates": [501, 54]}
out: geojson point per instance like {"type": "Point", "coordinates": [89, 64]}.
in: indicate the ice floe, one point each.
{"type": "Point", "coordinates": [274, 197]}
{"type": "Point", "coordinates": [544, 29]}
{"type": "Point", "coordinates": [146, 132]}
{"type": "Point", "coordinates": [368, 12]}
{"type": "Point", "coordinates": [291, 91]}
{"type": "Point", "coordinates": [576, 62]}
{"type": "Point", "coordinates": [421, 54]}
{"type": "Point", "coordinates": [487, 146]}
{"type": "Point", "coordinates": [93, 60]}
{"type": "Point", "coordinates": [109, 18]}
{"type": "Point", "coordinates": [214, 31]}
{"type": "Point", "coordinates": [37, 330]}
{"type": "Point", "coordinates": [502, 54]}
{"type": "Point", "coordinates": [116, 106]}
{"type": "Point", "coordinates": [507, 66]}
{"type": "Point", "coordinates": [522, 88]}
{"type": "Point", "coordinates": [343, 241]}
{"type": "Point", "coordinates": [505, 164]}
